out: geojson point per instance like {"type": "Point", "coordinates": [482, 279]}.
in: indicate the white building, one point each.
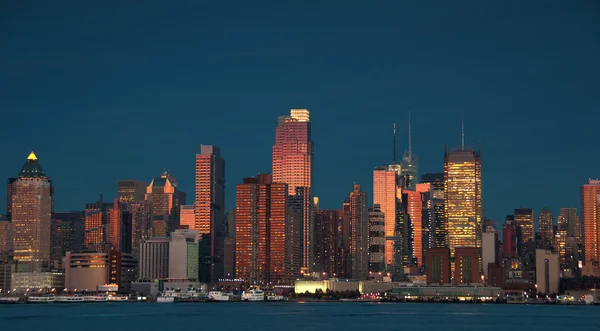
{"type": "Point", "coordinates": [488, 250]}
{"type": "Point", "coordinates": [184, 255]}
{"type": "Point", "coordinates": [547, 273]}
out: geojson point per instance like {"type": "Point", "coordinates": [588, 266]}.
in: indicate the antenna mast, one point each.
{"type": "Point", "coordinates": [409, 138]}
{"type": "Point", "coordinates": [394, 159]}
{"type": "Point", "coordinates": [463, 131]}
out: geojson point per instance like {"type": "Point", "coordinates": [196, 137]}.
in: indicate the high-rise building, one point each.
{"type": "Point", "coordinates": [154, 259]}
{"type": "Point", "coordinates": [6, 235]}
{"type": "Point", "coordinates": [590, 213]}
{"type": "Point", "coordinates": [293, 165]}
{"type": "Point", "coordinates": [115, 226]}
{"type": "Point", "coordinates": [31, 213]}
{"type": "Point", "coordinates": [546, 228]}
{"type": "Point", "coordinates": [376, 240]}
{"type": "Point", "coordinates": [183, 255]}
{"type": "Point", "coordinates": [359, 233]}
{"type": "Point", "coordinates": [68, 233]}
{"type": "Point", "coordinates": [325, 248]}
{"type": "Point", "coordinates": [10, 189]}
{"type": "Point", "coordinates": [524, 218]}
{"type": "Point", "coordinates": [210, 211]}
{"type": "Point", "coordinates": [130, 191]}
{"type": "Point", "coordinates": [568, 217]}
{"type": "Point", "coordinates": [437, 183]}
{"type": "Point", "coordinates": [462, 191]}
{"type": "Point", "coordinates": [386, 195]}
{"type": "Point", "coordinates": [509, 239]}
{"type": "Point", "coordinates": [96, 220]}
{"type": "Point", "coordinates": [266, 250]}
{"type": "Point", "coordinates": [141, 224]}
{"type": "Point", "coordinates": [547, 273]}
{"type": "Point", "coordinates": [419, 208]}
{"type": "Point", "coordinates": [489, 250]}
{"type": "Point", "coordinates": [410, 163]}
{"type": "Point", "coordinates": [163, 196]}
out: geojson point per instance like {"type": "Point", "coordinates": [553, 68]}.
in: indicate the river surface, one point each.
{"type": "Point", "coordinates": [292, 316]}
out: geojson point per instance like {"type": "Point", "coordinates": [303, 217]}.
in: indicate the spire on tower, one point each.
{"type": "Point", "coordinates": [394, 159]}
{"type": "Point", "coordinates": [463, 131]}
{"type": "Point", "coordinates": [409, 138]}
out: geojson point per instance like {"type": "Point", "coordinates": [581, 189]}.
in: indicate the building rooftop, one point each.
{"type": "Point", "coordinates": [32, 168]}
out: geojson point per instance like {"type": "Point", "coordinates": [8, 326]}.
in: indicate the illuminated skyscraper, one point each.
{"type": "Point", "coordinates": [376, 240]}
{"type": "Point", "coordinates": [210, 210]}
{"type": "Point", "coordinates": [293, 165]}
{"type": "Point", "coordinates": [163, 196]}
{"type": "Point", "coordinates": [462, 191]}
{"type": "Point", "coordinates": [524, 218]}
{"type": "Point", "coordinates": [31, 213]}
{"type": "Point", "coordinates": [546, 228]}
{"type": "Point", "coordinates": [187, 217]}
{"type": "Point", "coordinates": [385, 192]}
{"type": "Point", "coordinates": [326, 233]}
{"type": "Point", "coordinates": [141, 224]}
{"type": "Point", "coordinates": [266, 251]}
{"type": "Point", "coordinates": [410, 164]}
{"type": "Point", "coordinates": [359, 233]}
{"type": "Point", "coordinates": [439, 230]}
{"type": "Point", "coordinates": [96, 220]}
{"type": "Point", "coordinates": [590, 212]}
{"type": "Point", "coordinates": [10, 187]}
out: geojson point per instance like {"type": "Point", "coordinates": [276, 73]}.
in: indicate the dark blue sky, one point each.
{"type": "Point", "coordinates": [116, 91]}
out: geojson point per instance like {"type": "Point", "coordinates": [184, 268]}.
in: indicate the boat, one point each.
{"type": "Point", "coordinates": [273, 297]}
{"type": "Point", "coordinates": [9, 300]}
{"type": "Point", "coordinates": [163, 299]}
{"type": "Point", "coordinates": [41, 299]}
{"type": "Point", "coordinates": [253, 294]}
{"type": "Point", "coordinates": [68, 299]}
{"type": "Point", "coordinates": [95, 298]}
{"type": "Point", "coordinates": [218, 296]}
{"type": "Point", "coordinates": [116, 298]}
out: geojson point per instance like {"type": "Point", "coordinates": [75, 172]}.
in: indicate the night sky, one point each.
{"type": "Point", "coordinates": [122, 91]}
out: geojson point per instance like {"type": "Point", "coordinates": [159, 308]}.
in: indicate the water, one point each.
{"type": "Point", "coordinates": [290, 316]}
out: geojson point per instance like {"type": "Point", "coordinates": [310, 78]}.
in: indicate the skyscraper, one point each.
{"type": "Point", "coordinates": [385, 190]}
{"type": "Point", "coordinates": [6, 235]}
{"type": "Point", "coordinates": [439, 231]}
{"type": "Point", "coordinates": [417, 201]}
{"type": "Point", "coordinates": [590, 212]}
{"type": "Point", "coordinates": [462, 192]}
{"type": "Point", "coordinates": [410, 164]}
{"type": "Point", "coordinates": [293, 165]}
{"type": "Point", "coordinates": [210, 210]}
{"type": "Point", "coordinates": [266, 251]}
{"type": "Point", "coordinates": [568, 217]}
{"type": "Point", "coordinates": [325, 249]}
{"type": "Point", "coordinates": [376, 240]}
{"type": "Point", "coordinates": [115, 228]}
{"type": "Point", "coordinates": [131, 190]}
{"type": "Point", "coordinates": [96, 220]}
{"type": "Point", "coordinates": [163, 196]}
{"type": "Point", "coordinates": [187, 217]}
{"type": "Point", "coordinates": [10, 188]}
{"type": "Point", "coordinates": [31, 212]}
{"type": "Point", "coordinates": [359, 233]}
{"type": "Point", "coordinates": [546, 228]}
{"type": "Point", "coordinates": [68, 231]}
{"type": "Point", "coordinates": [141, 224]}
{"type": "Point", "coordinates": [524, 218]}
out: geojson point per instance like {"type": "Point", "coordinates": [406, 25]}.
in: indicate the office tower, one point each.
{"type": "Point", "coordinates": [293, 165]}
{"type": "Point", "coordinates": [462, 191]}
{"type": "Point", "coordinates": [344, 265]}
{"type": "Point", "coordinates": [229, 246]}
{"type": "Point", "coordinates": [524, 218]}
{"type": "Point", "coordinates": [509, 239]}
{"type": "Point", "coordinates": [210, 210]}
{"type": "Point", "coordinates": [489, 249]}
{"type": "Point", "coordinates": [131, 190]}
{"type": "Point", "coordinates": [154, 259]}
{"type": "Point", "coordinates": [6, 235]}
{"type": "Point", "coordinates": [590, 213]}
{"type": "Point", "coordinates": [141, 224]}
{"type": "Point", "coordinates": [325, 248]}
{"type": "Point", "coordinates": [67, 234]}
{"type": "Point", "coordinates": [376, 240]}
{"type": "Point", "coordinates": [560, 238]}
{"type": "Point", "coordinates": [31, 212]}
{"type": "Point", "coordinates": [7, 268]}
{"type": "Point", "coordinates": [163, 196]}
{"type": "Point", "coordinates": [438, 266]}
{"type": "Point", "coordinates": [183, 255]}
{"type": "Point", "coordinates": [115, 228]}
{"type": "Point", "coordinates": [437, 183]}
{"type": "Point", "coordinates": [96, 220]}
{"type": "Point", "coordinates": [359, 233]}
{"type": "Point", "coordinates": [10, 189]}
{"type": "Point", "coordinates": [419, 208]}
{"type": "Point", "coordinates": [568, 217]}
{"type": "Point", "coordinates": [187, 217]}
{"type": "Point", "coordinates": [266, 250]}
{"type": "Point", "coordinates": [385, 194]}
{"type": "Point", "coordinates": [546, 228]}
{"type": "Point", "coordinates": [231, 223]}
{"type": "Point", "coordinates": [410, 163]}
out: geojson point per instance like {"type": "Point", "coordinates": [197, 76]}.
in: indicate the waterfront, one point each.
{"type": "Point", "coordinates": [291, 316]}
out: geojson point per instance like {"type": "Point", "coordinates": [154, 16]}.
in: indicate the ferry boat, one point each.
{"type": "Point", "coordinates": [116, 298]}
{"type": "Point", "coordinates": [96, 298]}
{"type": "Point", "coordinates": [218, 296]}
{"type": "Point", "coordinates": [273, 297]}
{"type": "Point", "coordinates": [163, 299]}
{"type": "Point", "coordinates": [253, 294]}
{"type": "Point", "coordinates": [67, 299]}
{"type": "Point", "coordinates": [9, 299]}
{"type": "Point", "coordinates": [41, 299]}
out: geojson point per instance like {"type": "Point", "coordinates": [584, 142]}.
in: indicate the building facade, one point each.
{"type": "Point", "coordinates": [590, 213]}
{"type": "Point", "coordinates": [154, 259]}
{"type": "Point", "coordinates": [436, 180]}
{"type": "Point", "coordinates": [359, 233]}
{"type": "Point", "coordinates": [546, 228]}
{"type": "Point", "coordinates": [326, 238]}
{"type": "Point", "coordinates": [183, 255]}
{"type": "Point", "coordinates": [524, 218]}
{"type": "Point", "coordinates": [377, 240]}
{"type": "Point", "coordinates": [68, 233]}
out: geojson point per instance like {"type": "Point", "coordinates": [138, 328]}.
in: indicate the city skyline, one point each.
{"type": "Point", "coordinates": [508, 76]}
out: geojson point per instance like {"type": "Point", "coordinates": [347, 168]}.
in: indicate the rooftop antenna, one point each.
{"type": "Point", "coordinates": [409, 139]}
{"type": "Point", "coordinates": [463, 131]}
{"type": "Point", "coordinates": [394, 160]}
